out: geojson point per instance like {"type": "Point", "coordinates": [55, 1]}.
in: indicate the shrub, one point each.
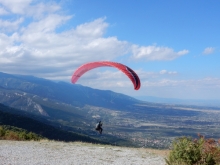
{"type": "Point", "coordinates": [2, 131]}
{"type": "Point", "coordinates": [11, 135]}
{"type": "Point", "coordinates": [201, 151]}
{"type": "Point", "coordinates": [14, 133]}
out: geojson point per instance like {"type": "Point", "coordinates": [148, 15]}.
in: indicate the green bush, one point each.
{"type": "Point", "coordinates": [2, 131]}
{"type": "Point", "coordinates": [201, 151]}
{"type": "Point", "coordinates": [14, 133]}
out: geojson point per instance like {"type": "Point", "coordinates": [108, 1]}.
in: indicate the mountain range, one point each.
{"type": "Point", "coordinates": [30, 93]}
{"type": "Point", "coordinates": [76, 109]}
{"type": "Point", "coordinates": [63, 105]}
{"type": "Point", "coordinates": [197, 102]}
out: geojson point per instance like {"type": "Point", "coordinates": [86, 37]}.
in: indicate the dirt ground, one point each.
{"type": "Point", "coordinates": [61, 153]}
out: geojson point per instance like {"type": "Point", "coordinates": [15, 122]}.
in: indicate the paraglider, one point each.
{"type": "Point", "coordinates": [98, 127]}
{"type": "Point", "coordinates": [92, 65]}
{"type": "Point", "coordinates": [125, 69]}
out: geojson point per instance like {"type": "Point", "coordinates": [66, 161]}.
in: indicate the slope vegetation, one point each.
{"type": "Point", "coordinates": [31, 125]}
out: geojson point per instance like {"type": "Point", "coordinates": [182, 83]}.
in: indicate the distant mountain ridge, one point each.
{"type": "Point", "coordinates": [24, 92]}
{"type": "Point", "coordinates": [197, 102]}
{"type": "Point", "coordinates": [68, 107]}
{"type": "Point", "coordinates": [126, 121]}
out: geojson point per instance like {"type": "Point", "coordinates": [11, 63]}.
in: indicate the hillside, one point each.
{"type": "Point", "coordinates": [26, 92]}
{"type": "Point", "coordinates": [66, 106]}
{"type": "Point", "coordinates": [40, 128]}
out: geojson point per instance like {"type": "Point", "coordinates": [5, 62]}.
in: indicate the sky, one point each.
{"type": "Point", "coordinates": [174, 46]}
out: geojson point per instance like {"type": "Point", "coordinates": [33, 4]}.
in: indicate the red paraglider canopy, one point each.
{"type": "Point", "coordinates": [126, 70]}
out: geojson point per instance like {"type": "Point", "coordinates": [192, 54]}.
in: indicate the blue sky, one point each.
{"type": "Point", "coordinates": [172, 45]}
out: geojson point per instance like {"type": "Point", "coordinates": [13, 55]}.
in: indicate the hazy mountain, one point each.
{"type": "Point", "coordinates": [126, 121]}
{"type": "Point", "coordinates": [198, 102]}
{"type": "Point", "coordinates": [26, 93]}
{"type": "Point", "coordinates": [67, 106]}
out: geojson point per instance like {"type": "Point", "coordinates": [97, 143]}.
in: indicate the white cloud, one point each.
{"type": "Point", "coordinates": [40, 49]}
{"type": "Point", "coordinates": [167, 72]}
{"type": "Point", "coordinates": [17, 7]}
{"type": "Point", "coordinates": [46, 25]}
{"type": "Point", "coordinates": [3, 11]}
{"type": "Point", "coordinates": [92, 29]}
{"type": "Point", "coordinates": [209, 50]}
{"type": "Point", "coordinates": [4, 41]}
{"type": "Point", "coordinates": [39, 10]}
{"type": "Point", "coordinates": [153, 53]}
{"type": "Point", "coordinates": [9, 26]}
{"type": "Point", "coordinates": [28, 8]}
{"type": "Point", "coordinates": [206, 88]}
{"type": "Point", "coordinates": [189, 83]}
{"type": "Point", "coordinates": [163, 72]}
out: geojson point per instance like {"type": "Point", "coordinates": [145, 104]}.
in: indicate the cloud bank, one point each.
{"type": "Point", "coordinates": [34, 40]}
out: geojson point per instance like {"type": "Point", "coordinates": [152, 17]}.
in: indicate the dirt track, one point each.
{"type": "Point", "coordinates": [60, 153]}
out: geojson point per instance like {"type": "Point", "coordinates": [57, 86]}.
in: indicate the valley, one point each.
{"type": "Point", "coordinates": [156, 126]}
{"type": "Point", "coordinates": [126, 121]}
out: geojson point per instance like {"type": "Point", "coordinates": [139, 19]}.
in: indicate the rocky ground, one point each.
{"type": "Point", "coordinates": [61, 153]}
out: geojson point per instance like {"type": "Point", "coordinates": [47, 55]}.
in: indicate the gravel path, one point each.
{"type": "Point", "coordinates": [61, 153]}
